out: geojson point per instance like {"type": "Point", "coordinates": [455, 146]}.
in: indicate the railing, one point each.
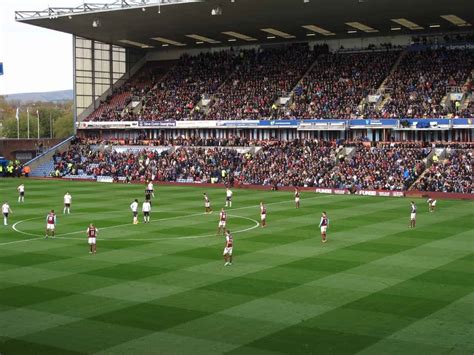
{"type": "Point", "coordinates": [56, 12]}
{"type": "Point", "coordinates": [33, 163]}
{"type": "Point", "coordinates": [454, 90]}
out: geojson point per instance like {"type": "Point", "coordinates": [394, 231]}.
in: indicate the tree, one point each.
{"type": "Point", "coordinates": [55, 119]}
{"type": "Point", "coordinates": [63, 126]}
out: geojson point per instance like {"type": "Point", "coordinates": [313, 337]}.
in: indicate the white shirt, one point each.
{"type": "Point", "coordinates": [5, 208]}
{"type": "Point", "coordinates": [67, 198]}
{"type": "Point", "coordinates": [146, 207]}
{"type": "Point", "coordinates": [134, 206]}
{"type": "Point", "coordinates": [150, 186]}
{"type": "Point", "coordinates": [229, 193]}
{"type": "Point", "coordinates": [21, 188]}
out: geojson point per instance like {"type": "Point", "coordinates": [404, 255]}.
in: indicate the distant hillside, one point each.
{"type": "Point", "coordinates": [50, 96]}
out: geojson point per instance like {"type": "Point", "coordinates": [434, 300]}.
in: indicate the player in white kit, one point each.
{"type": "Point", "coordinates": [207, 204]}
{"type": "Point", "coordinates": [67, 203]}
{"type": "Point", "coordinates": [297, 198]}
{"type": "Point", "coordinates": [6, 211]}
{"type": "Point", "coordinates": [134, 208]}
{"type": "Point", "coordinates": [228, 197]}
{"type": "Point", "coordinates": [146, 209]}
{"type": "Point", "coordinates": [21, 193]}
{"type": "Point", "coordinates": [149, 189]}
{"type": "Point", "coordinates": [431, 204]}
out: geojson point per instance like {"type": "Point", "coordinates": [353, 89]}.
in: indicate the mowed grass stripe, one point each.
{"type": "Point", "coordinates": [232, 289]}
{"type": "Point", "coordinates": [371, 317]}
{"type": "Point", "coordinates": [163, 277]}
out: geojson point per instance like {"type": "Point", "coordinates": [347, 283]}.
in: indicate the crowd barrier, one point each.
{"type": "Point", "coordinates": [379, 193]}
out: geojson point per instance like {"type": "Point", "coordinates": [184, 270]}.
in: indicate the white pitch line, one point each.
{"type": "Point", "coordinates": [20, 241]}
{"type": "Point", "coordinates": [110, 227]}
{"type": "Point", "coordinates": [176, 238]}
{"type": "Point", "coordinates": [39, 237]}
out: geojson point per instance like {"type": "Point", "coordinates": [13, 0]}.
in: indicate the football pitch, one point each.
{"type": "Point", "coordinates": [376, 286]}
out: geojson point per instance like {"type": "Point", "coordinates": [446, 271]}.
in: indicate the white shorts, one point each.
{"type": "Point", "coordinates": [413, 216]}
{"type": "Point", "coordinates": [222, 224]}
{"type": "Point", "coordinates": [324, 229]}
{"type": "Point", "coordinates": [91, 241]}
{"type": "Point", "coordinates": [297, 199]}
{"type": "Point", "coordinates": [50, 227]}
{"type": "Point", "coordinates": [263, 216]}
{"type": "Point", "coordinates": [227, 250]}
{"type": "Point", "coordinates": [207, 205]}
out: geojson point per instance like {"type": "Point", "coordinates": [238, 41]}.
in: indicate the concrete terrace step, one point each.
{"type": "Point", "coordinates": [44, 169]}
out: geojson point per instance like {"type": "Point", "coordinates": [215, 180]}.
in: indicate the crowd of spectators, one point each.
{"type": "Point", "coordinates": [114, 107]}
{"type": "Point", "coordinates": [385, 167]}
{"type": "Point", "coordinates": [247, 84]}
{"type": "Point", "coordinates": [259, 79]}
{"type": "Point", "coordinates": [277, 163]}
{"type": "Point", "coordinates": [196, 141]}
{"type": "Point", "coordinates": [193, 78]}
{"type": "Point", "coordinates": [338, 82]}
{"type": "Point", "coordinates": [308, 163]}
{"type": "Point", "coordinates": [422, 79]}
{"type": "Point", "coordinates": [289, 163]}
{"type": "Point", "coordinates": [452, 174]}
{"type": "Point", "coordinates": [468, 112]}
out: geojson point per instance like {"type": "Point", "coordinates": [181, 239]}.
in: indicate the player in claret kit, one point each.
{"type": "Point", "coordinates": [228, 197]}
{"type": "Point", "coordinates": [413, 215]}
{"type": "Point", "coordinates": [50, 224]}
{"type": "Point", "coordinates": [297, 198]}
{"type": "Point", "coordinates": [21, 193]}
{"type": "Point", "coordinates": [92, 232]}
{"type": "Point", "coordinates": [431, 204]}
{"type": "Point", "coordinates": [263, 215]}
{"type": "Point", "coordinates": [207, 204]}
{"type": "Point", "coordinates": [67, 203]}
{"type": "Point", "coordinates": [229, 244]}
{"type": "Point", "coordinates": [323, 225]}
{"type": "Point", "coordinates": [222, 222]}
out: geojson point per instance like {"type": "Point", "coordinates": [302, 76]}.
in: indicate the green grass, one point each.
{"type": "Point", "coordinates": [376, 287]}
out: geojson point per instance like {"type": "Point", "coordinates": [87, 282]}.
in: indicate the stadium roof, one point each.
{"type": "Point", "coordinates": [189, 23]}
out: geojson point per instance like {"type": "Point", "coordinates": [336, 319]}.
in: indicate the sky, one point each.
{"type": "Point", "coordinates": [34, 59]}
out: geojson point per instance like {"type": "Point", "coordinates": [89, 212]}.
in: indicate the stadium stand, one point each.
{"type": "Point", "coordinates": [309, 163]}
{"type": "Point", "coordinates": [293, 163]}
{"type": "Point", "coordinates": [260, 78]}
{"type": "Point", "coordinates": [422, 80]}
{"type": "Point", "coordinates": [452, 174]}
{"type": "Point", "coordinates": [248, 84]}
{"type": "Point", "coordinates": [338, 82]}
{"type": "Point", "coordinates": [385, 167]}
{"type": "Point", "coordinates": [114, 108]}
{"type": "Point", "coordinates": [177, 97]}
